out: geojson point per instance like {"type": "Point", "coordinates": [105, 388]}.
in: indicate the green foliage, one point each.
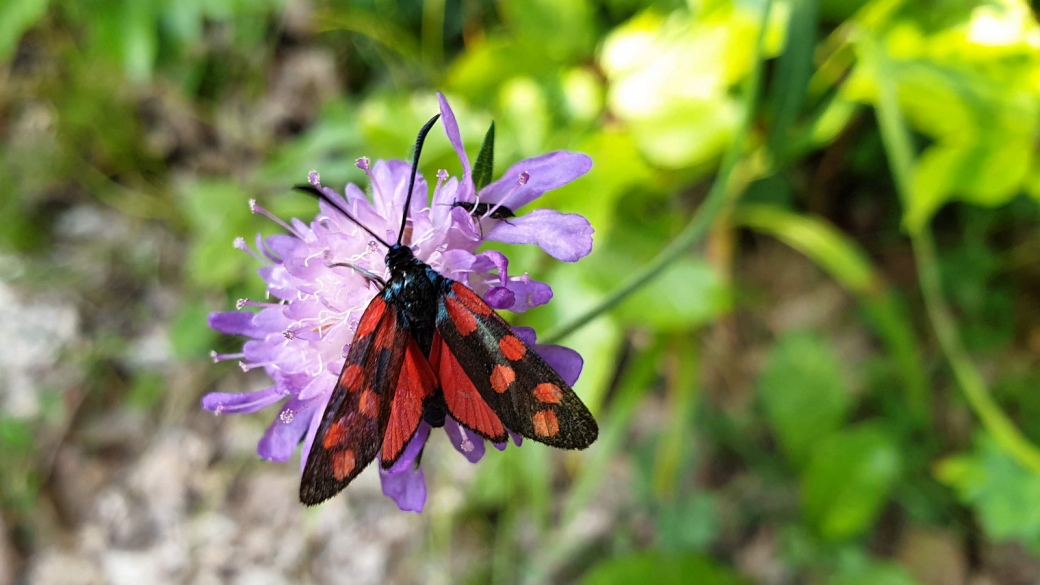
{"type": "Point", "coordinates": [1001, 491]}
{"type": "Point", "coordinates": [15, 17]}
{"type": "Point", "coordinates": [484, 166]}
{"type": "Point", "coordinates": [877, 574]}
{"type": "Point", "coordinates": [218, 213]}
{"type": "Point", "coordinates": [665, 569]}
{"type": "Point", "coordinates": [804, 395]}
{"type": "Point", "coordinates": [848, 480]}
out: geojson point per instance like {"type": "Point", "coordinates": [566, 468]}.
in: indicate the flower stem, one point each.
{"type": "Point", "coordinates": [731, 179]}
{"type": "Point", "coordinates": [896, 140]}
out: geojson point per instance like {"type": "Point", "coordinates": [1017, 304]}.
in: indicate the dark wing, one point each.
{"type": "Point", "coordinates": [476, 350]}
{"type": "Point", "coordinates": [359, 411]}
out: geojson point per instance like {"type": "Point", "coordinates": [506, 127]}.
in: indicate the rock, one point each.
{"type": "Point", "coordinates": [55, 567]}
{"type": "Point", "coordinates": [933, 557]}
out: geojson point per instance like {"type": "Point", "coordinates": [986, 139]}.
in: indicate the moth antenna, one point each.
{"type": "Point", "coordinates": [415, 167]}
{"type": "Point", "coordinates": [318, 194]}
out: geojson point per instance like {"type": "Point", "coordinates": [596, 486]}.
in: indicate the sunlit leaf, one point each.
{"type": "Point", "coordinates": [1002, 493]}
{"type": "Point", "coordinates": [848, 480]}
{"type": "Point", "coordinates": [16, 16]}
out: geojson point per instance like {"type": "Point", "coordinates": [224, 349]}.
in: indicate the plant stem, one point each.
{"type": "Point", "coordinates": [733, 176]}
{"type": "Point", "coordinates": [896, 140]}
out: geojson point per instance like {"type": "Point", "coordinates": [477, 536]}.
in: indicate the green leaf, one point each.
{"type": "Point", "coordinates": [793, 69]}
{"type": "Point", "coordinates": [654, 567]}
{"type": "Point", "coordinates": [17, 16]}
{"type": "Point", "coordinates": [485, 164]}
{"type": "Point", "coordinates": [803, 393]}
{"type": "Point", "coordinates": [848, 480]}
{"type": "Point", "coordinates": [1002, 492]}
{"type": "Point", "coordinates": [876, 574]}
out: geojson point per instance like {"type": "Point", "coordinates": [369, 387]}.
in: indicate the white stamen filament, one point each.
{"type": "Point", "coordinates": [219, 357]}
{"type": "Point", "coordinates": [248, 303]}
{"type": "Point", "coordinates": [255, 208]}
{"type": "Point", "coordinates": [246, 366]}
{"type": "Point", "coordinates": [240, 244]}
{"type": "Point", "coordinates": [520, 182]}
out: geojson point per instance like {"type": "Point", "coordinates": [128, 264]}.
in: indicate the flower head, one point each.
{"type": "Point", "coordinates": [302, 335]}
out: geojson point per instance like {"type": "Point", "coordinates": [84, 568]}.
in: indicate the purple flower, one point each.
{"type": "Point", "coordinates": [301, 335]}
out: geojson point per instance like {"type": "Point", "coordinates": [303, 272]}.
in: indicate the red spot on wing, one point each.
{"type": "Point", "coordinates": [342, 463]}
{"type": "Point", "coordinates": [461, 316]}
{"type": "Point", "coordinates": [351, 376]}
{"type": "Point", "coordinates": [512, 347]}
{"type": "Point", "coordinates": [545, 423]}
{"type": "Point", "coordinates": [501, 378]}
{"type": "Point", "coordinates": [547, 392]}
{"type": "Point", "coordinates": [334, 435]}
{"type": "Point", "coordinates": [368, 404]}
{"type": "Point", "coordinates": [371, 318]}
{"type": "Point", "coordinates": [464, 401]}
{"type": "Point", "coordinates": [416, 382]}
{"type": "Point", "coordinates": [470, 299]}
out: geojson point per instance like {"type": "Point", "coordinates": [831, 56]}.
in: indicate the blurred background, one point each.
{"type": "Point", "coordinates": [835, 382]}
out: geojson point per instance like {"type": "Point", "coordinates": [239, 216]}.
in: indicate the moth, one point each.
{"type": "Point", "coordinates": [427, 347]}
{"type": "Point", "coordinates": [481, 209]}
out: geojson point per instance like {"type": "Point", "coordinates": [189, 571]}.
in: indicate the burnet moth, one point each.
{"type": "Point", "coordinates": [426, 347]}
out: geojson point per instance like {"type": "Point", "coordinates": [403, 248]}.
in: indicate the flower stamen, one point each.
{"type": "Point", "coordinates": [248, 303]}
{"type": "Point", "coordinates": [220, 357]}
{"type": "Point", "coordinates": [520, 182]}
{"type": "Point", "coordinates": [246, 366]}
{"type": "Point", "coordinates": [240, 244]}
{"type": "Point", "coordinates": [255, 208]}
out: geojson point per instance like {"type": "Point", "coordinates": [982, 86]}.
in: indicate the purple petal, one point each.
{"type": "Point", "coordinates": [546, 172]}
{"type": "Point", "coordinates": [491, 260]}
{"type": "Point", "coordinates": [500, 297]}
{"type": "Point", "coordinates": [282, 245]}
{"type": "Point", "coordinates": [565, 236]}
{"type": "Point", "coordinates": [501, 446]}
{"type": "Point", "coordinates": [407, 488]}
{"type": "Point", "coordinates": [517, 439]}
{"type": "Point", "coordinates": [564, 360]}
{"type": "Point", "coordinates": [241, 402]}
{"type": "Point", "coordinates": [526, 334]}
{"type": "Point", "coordinates": [527, 293]}
{"type": "Point", "coordinates": [451, 128]}
{"type": "Point", "coordinates": [517, 293]}
{"type": "Point", "coordinates": [391, 178]}
{"type": "Point", "coordinates": [235, 323]}
{"type": "Point", "coordinates": [470, 444]}
{"type": "Point", "coordinates": [412, 449]}
{"type": "Point", "coordinates": [404, 481]}
{"type": "Point", "coordinates": [465, 190]}
{"type": "Point", "coordinates": [457, 260]}
{"type": "Point", "coordinates": [284, 434]}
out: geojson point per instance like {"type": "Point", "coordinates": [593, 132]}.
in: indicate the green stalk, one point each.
{"type": "Point", "coordinates": [728, 182]}
{"type": "Point", "coordinates": [896, 140]}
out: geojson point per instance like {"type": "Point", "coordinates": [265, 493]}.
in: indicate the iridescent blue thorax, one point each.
{"type": "Point", "coordinates": [414, 288]}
